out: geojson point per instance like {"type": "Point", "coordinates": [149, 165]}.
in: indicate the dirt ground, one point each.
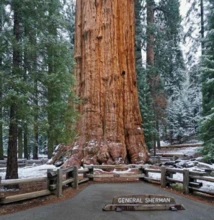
{"type": "Point", "coordinates": [69, 192]}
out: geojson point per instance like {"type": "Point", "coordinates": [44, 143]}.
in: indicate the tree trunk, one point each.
{"type": "Point", "coordinates": [27, 70]}
{"type": "Point", "coordinates": [202, 26]}
{"type": "Point", "coordinates": [26, 153]}
{"type": "Point", "coordinates": [20, 145]}
{"type": "Point", "coordinates": [109, 130]}
{"type": "Point", "coordinates": [12, 165]}
{"type": "Point", "coordinates": [1, 90]}
{"type": "Point", "coordinates": [36, 101]}
{"type": "Point", "coordinates": [1, 130]}
{"type": "Point", "coordinates": [36, 140]}
{"type": "Point", "coordinates": [150, 54]}
{"type": "Point", "coordinates": [154, 78]}
{"type": "Point", "coordinates": [52, 95]}
{"type": "Point", "coordinates": [158, 134]}
{"type": "Point", "coordinates": [150, 58]}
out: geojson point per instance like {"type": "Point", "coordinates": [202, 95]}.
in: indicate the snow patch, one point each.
{"type": "Point", "coordinates": [33, 171]}
{"type": "Point", "coordinates": [120, 172]}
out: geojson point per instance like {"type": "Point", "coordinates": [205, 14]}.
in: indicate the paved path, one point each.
{"type": "Point", "coordinates": [88, 204]}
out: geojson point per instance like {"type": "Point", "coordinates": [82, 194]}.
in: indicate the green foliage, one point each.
{"type": "Point", "coordinates": [42, 85]}
{"type": "Point", "coordinates": [168, 55]}
{"type": "Point", "coordinates": [161, 83]}
{"type": "Point", "coordinates": [170, 64]}
{"type": "Point", "coordinates": [207, 124]}
{"type": "Point", "coordinates": [144, 95]}
{"type": "Point", "coordinates": [207, 129]}
{"type": "Point", "coordinates": [146, 109]}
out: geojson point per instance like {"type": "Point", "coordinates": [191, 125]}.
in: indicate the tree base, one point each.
{"type": "Point", "coordinates": [112, 154]}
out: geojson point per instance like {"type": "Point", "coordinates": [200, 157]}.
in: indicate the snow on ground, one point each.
{"type": "Point", "coordinates": [189, 151]}
{"type": "Point", "coordinates": [31, 171]}
{"type": "Point", "coordinates": [163, 143]}
{"type": "Point", "coordinates": [207, 186]}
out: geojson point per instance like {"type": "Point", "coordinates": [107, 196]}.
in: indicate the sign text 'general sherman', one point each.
{"type": "Point", "coordinates": [147, 200]}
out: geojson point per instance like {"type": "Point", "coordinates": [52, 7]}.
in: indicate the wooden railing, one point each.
{"type": "Point", "coordinates": [189, 181]}
{"type": "Point", "coordinates": [20, 197]}
{"type": "Point", "coordinates": [56, 179]}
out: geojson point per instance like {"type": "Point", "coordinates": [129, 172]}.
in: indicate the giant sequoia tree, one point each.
{"type": "Point", "coordinates": [109, 130]}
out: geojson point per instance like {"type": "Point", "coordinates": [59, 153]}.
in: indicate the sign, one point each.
{"type": "Point", "coordinates": [143, 202]}
{"type": "Point", "coordinates": [143, 199]}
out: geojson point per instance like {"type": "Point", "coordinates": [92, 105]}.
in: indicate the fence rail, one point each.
{"type": "Point", "coordinates": [56, 179]}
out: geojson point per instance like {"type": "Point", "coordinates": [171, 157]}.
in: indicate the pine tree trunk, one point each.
{"type": "Point", "coordinates": [36, 141]}
{"type": "Point", "coordinates": [26, 153]}
{"type": "Point", "coordinates": [27, 70]}
{"type": "Point", "coordinates": [12, 165]}
{"type": "Point", "coordinates": [202, 25]}
{"type": "Point", "coordinates": [50, 97]}
{"type": "Point", "coordinates": [158, 134]}
{"type": "Point", "coordinates": [138, 40]}
{"type": "Point", "coordinates": [150, 54]}
{"type": "Point", "coordinates": [1, 94]}
{"type": "Point", "coordinates": [150, 58]}
{"type": "Point", "coordinates": [1, 126]}
{"type": "Point", "coordinates": [154, 79]}
{"type": "Point", "coordinates": [36, 102]}
{"type": "Point", "coordinates": [20, 146]}
{"type": "Point", "coordinates": [109, 130]}
{"type": "Point", "coordinates": [51, 92]}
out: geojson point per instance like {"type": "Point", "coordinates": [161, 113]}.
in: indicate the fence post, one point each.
{"type": "Point", "coordinates": [2, 195]}
{"type": "Point", "coordinates": [75, 177]}
{"type": "Point", "coordinates": [142, 171]}
{"type": "Point", "coordinates": [186, 181]}
{"type": "Point", "coordinates": [59, 183]}
{"type": "Point", "coordinates": [158, 159]}
{"type": "Point", "coordinates": [174, 158]}
{"type": "Point", "coordinates": [52, 178]}
{"type": "Point", "coordinates": [25, 162]}
{"type": "Point", "coordinates": [163, 176]}
{"type": "Point", "coordinates": [91, 171]}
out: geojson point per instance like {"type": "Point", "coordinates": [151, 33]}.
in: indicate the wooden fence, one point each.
{"type": "Point", "coordinates": [189, 181]}
{"type": "Point", "coordinates": [55, 181]}
{"type": "Point", "coordinates": [73, 177]}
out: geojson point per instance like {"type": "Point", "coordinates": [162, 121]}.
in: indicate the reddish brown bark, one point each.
{"type": "Point", "coordinates": [109, 130]}
{"type": "Point", "coordinates": [150, 54]}
{"type": "Point", "coordinates": [154, 79]}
